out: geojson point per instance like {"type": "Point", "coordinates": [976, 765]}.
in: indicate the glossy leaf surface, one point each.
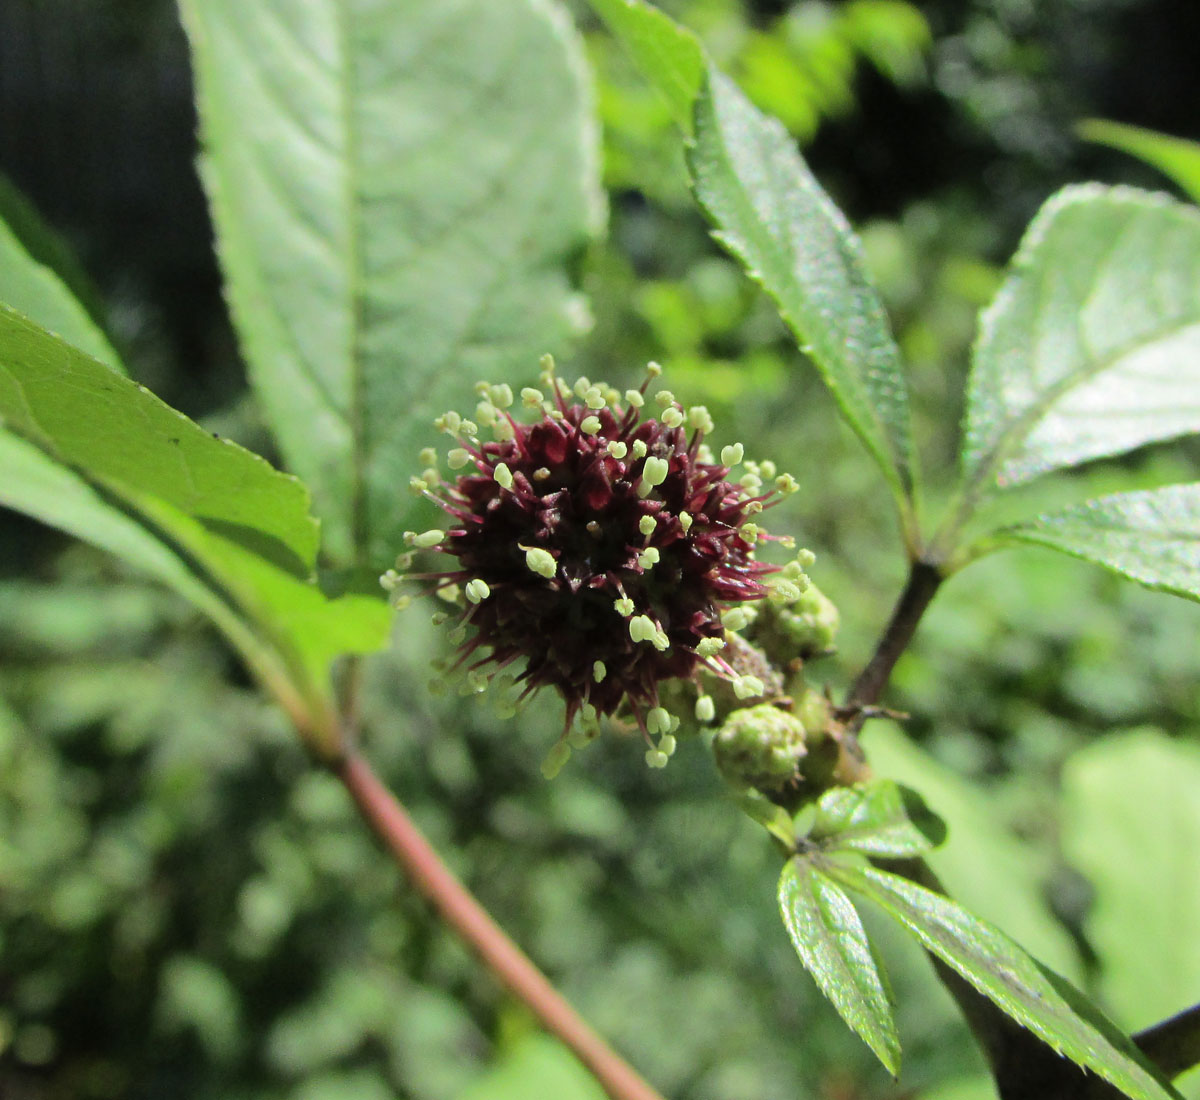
{"type": "Point", "coordinates": [1092, 346]}
{"type": "Point", "coordinates": [879, 818]}
{"type": "Point", "coordinates": [829, 937]}
{"type": "Point", "coordinates": [1006, 975]}
{"type": "Point", "coordinates": [1151, 536]}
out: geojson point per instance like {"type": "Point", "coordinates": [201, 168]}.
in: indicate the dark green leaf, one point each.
{"type": "Point", "coordinates": [1092, 346]}
{"type": "Point", "coordinates": [1006, 975]}
{"type": "Point", "coordinates": [829, 937]}
{"type": "Point", "coordinates": [879, 818]}
{"type": "Point", "coordinates": [86, 416]}
{"type": "Point", "coordinates": [1176, 158]}
{"type": "Point", "coordinates": [394, 216]}
{"type": "Point", "coordinates": [769, 211]}
{"type": "Point", "coordinates": [669, 56]}
{"type": "Point", "coordinates": [1152, 536]}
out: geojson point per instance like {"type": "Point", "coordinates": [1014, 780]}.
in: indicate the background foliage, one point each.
{"type": "Point", "coordinates": [187, 909]}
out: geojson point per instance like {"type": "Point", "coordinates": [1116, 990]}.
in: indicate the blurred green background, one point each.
{"type": "Point", "coordinates": [188, 910]}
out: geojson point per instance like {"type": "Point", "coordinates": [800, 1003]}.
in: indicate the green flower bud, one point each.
{"type": "Point", "coordinates": [805, 628]}
{"type": "Point", "coordinates": [761, 748]}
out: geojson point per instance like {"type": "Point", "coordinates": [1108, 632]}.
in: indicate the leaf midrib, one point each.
{"type": "Point", "coordinates": [352, 196]}
{"type": "Point", "coordinates": [1019, 427]}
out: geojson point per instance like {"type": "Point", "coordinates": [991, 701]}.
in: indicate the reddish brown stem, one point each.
{"type": "Point", "coordinates": [458, 908]}
{"type": "Point", "coordinates": [924, 580]}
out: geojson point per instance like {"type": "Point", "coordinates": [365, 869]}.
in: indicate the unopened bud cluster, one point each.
{"type": "Point", "coordinates": [599, 551]}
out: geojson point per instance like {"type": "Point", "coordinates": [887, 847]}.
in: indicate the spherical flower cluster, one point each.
{"type": "Point", "coordinates": [599, 551]}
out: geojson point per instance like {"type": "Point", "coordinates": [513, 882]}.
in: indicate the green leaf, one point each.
{"type": "Point", "coordinates": [1176, 158]}
{"type": "Point", "coordinates": [35, 290]}
{"type": "Point", "coordinates": [535, 1066]}
{"type": "Point", "coordinates": [828, 935]}
{"type": "Point", "coordinates": [1012, 892]}
{"type": "Point", "coordinates": [879, 818]}
{"type": "Point", "coordinates": [39, 487]}
{"type": "Point", "coordinates": [1131, 824]}
{"type": "Point", "coordinates": [1000, 970]}
{"type": "Point", "coordinates": [394, 216]}
{"type": "Point", "coordinates": [670, 56]}
{"type": "Point", "coordinates": [1151, 536]}
{"type": "Point", "coordinates": [86, 416]}
{"type": "Point", "coordinates": [40, 244]}
{"type": "Point", "coordinates": [1092, 346]}
{"type": "Point", "coordinates": [102, 458]}
{"type": "Point", "coordinates": [769, 211]}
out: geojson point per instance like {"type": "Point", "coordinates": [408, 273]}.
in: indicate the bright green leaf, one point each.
{"type": "Point", "coordinates": [1176, 158]}
{"type": "Point", "coordinates": [33, 289]}
{"type": "Point", "coordinates": [39, 487]}
{"type": "Point", "coordinates": [670, 56]}
{"type": "Point", "coordinates": [1131, 824]}
{"type": "Point", "coordinates": [302, 623]}
{"type": "Point", "coordinates": [41, 245]}
{"type": "Point", "coordinates": [1151, 536]}
{"type": "Point", "coordinates": [117, 432]}
{"type": "Point", "coordinates": [394, 213]}
{"type": "Point", "coordinates": [879, 818]}
{"type": "Point", "coordinates": [535, 1066]}
{"type": "Point", "coordinates": [1092, 346]}
{"type": "Point", "coordinates": [828, 935]}
{"type": "Point", "coordinates": [1000, 970]}
{"type": "Point", "coordinates": [769, 211]}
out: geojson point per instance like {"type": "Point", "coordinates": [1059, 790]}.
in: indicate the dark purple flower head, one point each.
{"type": "Point", "coordinates": [597, 552]}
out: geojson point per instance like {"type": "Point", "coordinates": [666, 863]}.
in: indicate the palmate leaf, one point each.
{"type": "Point", "coordinates": [1000, 970]}
{"type": "Point", "coordinates": [769, 211]}
{"type": "Point", "coordinates": [1092, 346]}
{"type": "Point", "coordinates": [397, 188]}
{"type": "Point", "coordinates": [829, 937]}
{"type": "Point", "coordinates": [877, 818]}
{"type": "Point", "coordinates": [1151, 536]}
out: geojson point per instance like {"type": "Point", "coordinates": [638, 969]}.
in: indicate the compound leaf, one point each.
{"type": "Point", "coordinates": [1000, 970]}
{"type": "Point", "coordinates": [829, 937]}
{"type": "Point", "coordinates": [879, 818]}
